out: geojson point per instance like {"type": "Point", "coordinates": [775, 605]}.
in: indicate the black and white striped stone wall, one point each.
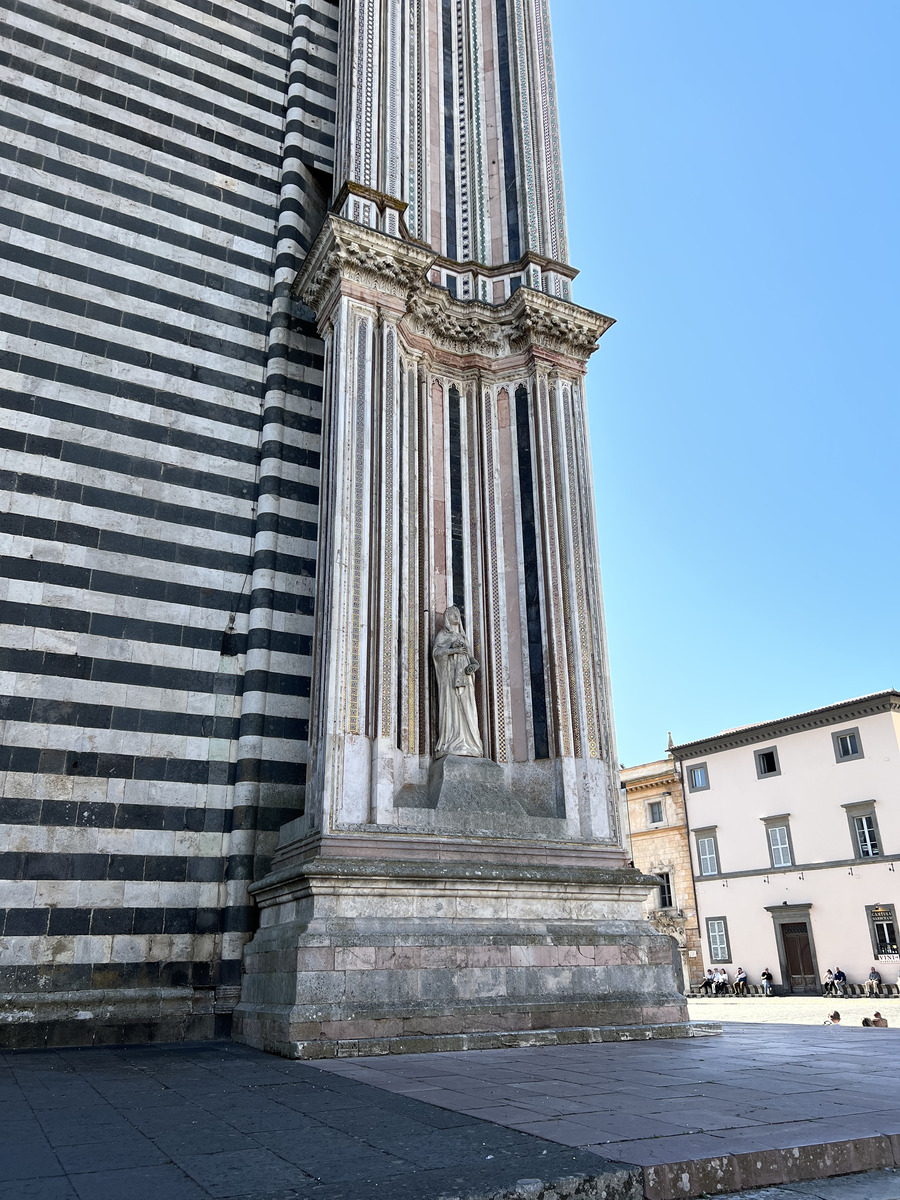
{"type": "Point", "coordinates": [165, 166]}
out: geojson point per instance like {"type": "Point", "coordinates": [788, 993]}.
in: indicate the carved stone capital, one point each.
{"type": "Point", "coordinates": [347, 251]}
{"type": "Point", "coordinates": [558, 326]}
{"type": "Point", "coordinates": [459, 326]}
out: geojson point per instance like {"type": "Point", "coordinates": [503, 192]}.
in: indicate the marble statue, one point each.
{"type": "Point", "coordinates": [455, 669]}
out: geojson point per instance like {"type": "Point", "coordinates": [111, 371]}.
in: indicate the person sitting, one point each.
{"type": "Point", "coordinates": [828, 983]}
{"type": "Point", "coordinates": [740, 982]}
{"type": "Point", "coordinates": [767, 980]}
{"type": "Point", "coordinates": [834, 1018]}
{"type": "Point", "coordinates": [867, 1022]}
{"type": "Point", "coordinates": [878, 1021]}
{"type": "Point", "coordinates": [873, 983]}
{"type": "Point", "coordinates": [706, 983]}
{"type": "Point", "coordinates": [840, 981]}
{"type": "Point", "coordinates": [721, 981]}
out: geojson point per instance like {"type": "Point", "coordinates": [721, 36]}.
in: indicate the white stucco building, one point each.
{"type": "Point", "coordinates": [794, 831]}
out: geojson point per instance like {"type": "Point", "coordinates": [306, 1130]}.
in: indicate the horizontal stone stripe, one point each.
{"type": "Point", "coordinates": [301, 103]}
{"type": "Point", "coordinates": [40, 29]}
{"type": "Point", "coordinates": [111, 385]}
{"type": "Point", "coordinates": [135, 576]}
{"type": "Point", "coordinates": [282, 564]}
{"type": "Point", "coordinates": [89, 579]}
{"type": "Point", "coordinates": [124, 503]}
{"type": "Point", "coordinates": [301, 83]}
{"type": "Point", "coordinates": [295, 128]}
{"type": "Point", "coordinates": [152, 125]}
{"type": "Point", "coordinates": [313, 56]}
{"type": "Point", "coordinates": [78, 715]}
{"type": "Point", "coordinates": [48, 226]}
{"type": "Point", "coordinates": [97, 922]}
{"type": "Point", "coordinates": [131, 465]}
{"type": "Point", "coordinates": [316, 14]}
{"type": "Point", "coordinates": [97, 198]}
{"type": "Point", "coordinates": [144, 973]}
{"type": "Point", "coordinates": [155, 633]}
{"type": "Point", "coordinates": [172, 818]}
{"type": "Point", "coordinates": [268, 598]}
{"type": "Point", "coordinates": [147, 294]}
{"type": "Point", "coordinates": [114, 542]}
{"type": "Point", "coordinates": [89, 765]}
{"type": "Point", "coordinates": [301, 456]}
{"type": "Point", "coordinates": [82, 416]}
{"type": "Point", "coordinates": [255, 120]}
{"type": "Point", "coordinates": [138, 674]}
{"type": "Point", "coordinates": [288, 489]}
{"type": "Point", "coordinates": [171, 868]}
{"type": "Point", "coordinates": [256, 770]}
{"type": "Point", "coordinates": [157, 19]}
{"type": "Point", "coordinates": [53, 300]}
{"type": "Point", "coordinates": [34, 101]}
{"type": "Point", "coordinates": [294, 386]}
{"type": "Point", "coordinates": [277, 684]}
{"type": "Point", "coordinates": [269, 522]}
{"type": "Point", "coordinates": [81, 150]}
{"type": "Point", "coordinates": [286, 642]}
{"type": "Point", "coordinates": [117, 352]}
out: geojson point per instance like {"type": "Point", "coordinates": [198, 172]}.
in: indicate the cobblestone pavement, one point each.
{"type": "Point", "coordinates": [220, 1120]}
{"type": "Point", "coordinates": [792, 1010]}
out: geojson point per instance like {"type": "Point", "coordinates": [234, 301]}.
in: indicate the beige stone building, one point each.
{"type": "Point", "coordinates": [659, 844]}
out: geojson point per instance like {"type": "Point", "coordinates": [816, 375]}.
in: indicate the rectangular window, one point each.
{"type": "Point", "coordinates": [717, 936]}
{"type": "Point", "coordinates": [665, 889]}
{"type": "Point", "coordinates": [656, 812]}
{"type": "Point", "coordinates": [698, 778]}
{"type": "Point", "coordinates": [866, 836]}
{"type": "Point", "coordinates": [779, 846]}
{"type": "Point", "coordinates": [707, 852]}
{"type": "Point", "coordinates": [767, 763]}
{"type": "Point", "coordinates": [883, 928]}
{"type": "Point", "coordinates": [847, 745]}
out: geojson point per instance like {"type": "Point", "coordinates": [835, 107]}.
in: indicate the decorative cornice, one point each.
{"type": "Point", "coordinates": [816, 718]}
{"type": "Point", "coordinates": [347, 252]}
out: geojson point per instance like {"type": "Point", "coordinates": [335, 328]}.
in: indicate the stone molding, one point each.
{"type": "Point", "coordinates": [347, 253]}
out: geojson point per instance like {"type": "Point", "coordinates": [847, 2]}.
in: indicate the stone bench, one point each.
{"type": "Point", "coordinates": [852, 991]}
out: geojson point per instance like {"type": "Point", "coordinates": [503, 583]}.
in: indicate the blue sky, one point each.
{"type": "Point", "coordinates": [732, 177]}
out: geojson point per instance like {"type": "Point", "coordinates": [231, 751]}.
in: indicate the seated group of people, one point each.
{"type": "Point", "coordinates": [876, 1021]}
{"type": "Point", "coordinates": [835, 983]}
{"type": "Point", "coordinates": [717, 982]}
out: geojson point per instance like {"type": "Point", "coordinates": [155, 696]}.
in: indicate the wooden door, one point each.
{"type": "Point", "coordinates": [798, 957]}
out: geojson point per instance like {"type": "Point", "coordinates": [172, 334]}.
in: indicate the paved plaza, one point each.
{"type": "Point", "coordinates": [792, 1010]}
{"type": "Point", "coordinates": [220, 1120]}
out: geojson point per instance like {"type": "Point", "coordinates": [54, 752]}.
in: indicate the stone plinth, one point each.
{"type": "Point", "coordinates": [414, 954]}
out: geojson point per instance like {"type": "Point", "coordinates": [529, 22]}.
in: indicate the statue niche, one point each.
{"type": "Point", "coordinates": [455, 669]}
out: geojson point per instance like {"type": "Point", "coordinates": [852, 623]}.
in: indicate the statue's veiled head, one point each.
{"type": "Point", "coordinates": [453, 619]}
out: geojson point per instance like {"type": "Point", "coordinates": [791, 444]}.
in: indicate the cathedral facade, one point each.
{"type": "Point", "coordinates": [292, 373]}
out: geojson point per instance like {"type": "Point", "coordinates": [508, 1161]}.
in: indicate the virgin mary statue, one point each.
{"type": "Point", "coordinates": [455, 669]}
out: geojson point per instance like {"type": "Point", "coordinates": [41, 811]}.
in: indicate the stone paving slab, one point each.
{"type": "Point", "coordinates": [761, 1105]}
{"type": "Point", "coordinates": [873, 1185]}
{"type": "Point", "coordinates": [224, 1121]}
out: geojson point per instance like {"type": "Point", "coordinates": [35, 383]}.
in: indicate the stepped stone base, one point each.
{"type": "Point", "coordinates": [360, 955]}
{"type": "Point", "coordinates": [116, 1016]}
